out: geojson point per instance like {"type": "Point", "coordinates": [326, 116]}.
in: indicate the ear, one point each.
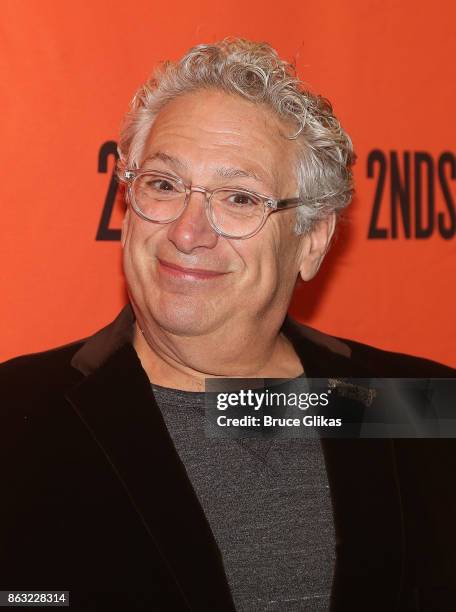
{"type": "Point", "coordinates": [315, 247]}
{"type": "Point", "coordinates": [125, 226]}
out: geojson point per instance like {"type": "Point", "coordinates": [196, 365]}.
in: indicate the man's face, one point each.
{"type": "Point", "coordinates": [183, 276]}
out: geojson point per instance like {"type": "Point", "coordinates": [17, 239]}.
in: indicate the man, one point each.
{"type": "Point", "coordinates": [234, 178]}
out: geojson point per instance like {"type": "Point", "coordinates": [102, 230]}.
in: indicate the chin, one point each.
{"type": "Point", "coordinates": [184, 318]}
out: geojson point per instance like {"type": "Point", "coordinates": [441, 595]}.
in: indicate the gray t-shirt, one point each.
{"type": "Point", "coordinates": [268, 505]}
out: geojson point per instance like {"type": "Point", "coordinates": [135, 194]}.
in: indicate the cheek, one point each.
{"type": "Point", "coordinates": [274, 260]}
{"type": "Point", "coordinates": [142, 236]}
{"type": "Point", "coordinates": [260, 266]}
{"type": "Point", "coordinates": [138, 247]}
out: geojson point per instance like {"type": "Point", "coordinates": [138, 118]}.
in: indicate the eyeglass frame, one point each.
{"type": "Point", "coordinates": [270, 205]}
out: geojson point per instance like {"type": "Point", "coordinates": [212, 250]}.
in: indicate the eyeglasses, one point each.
{"type": "Point", "coordinates": [160, 197]}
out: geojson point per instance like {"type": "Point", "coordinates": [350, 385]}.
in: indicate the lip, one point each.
{"type": "Point", "coordinates": [181, 272]}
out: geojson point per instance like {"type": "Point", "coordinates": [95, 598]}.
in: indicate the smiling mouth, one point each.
{"type": "Point", "coordinates": [181, 272]}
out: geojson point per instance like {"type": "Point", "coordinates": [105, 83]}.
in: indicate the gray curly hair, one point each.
{"type": "Point", "coordinates": [254, 71]}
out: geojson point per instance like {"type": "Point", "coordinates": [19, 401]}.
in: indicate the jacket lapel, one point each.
{"type": "Point", "coordinates": [362, 474]}
{"type": "Point", "coordinates": [116, 404]}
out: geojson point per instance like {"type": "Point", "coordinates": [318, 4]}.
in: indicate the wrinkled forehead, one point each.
{"type": "Point", "coordinates": [216, 133]}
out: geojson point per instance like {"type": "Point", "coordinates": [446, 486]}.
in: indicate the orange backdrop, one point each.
{"type": "Point", "coordinates": [68, 71]}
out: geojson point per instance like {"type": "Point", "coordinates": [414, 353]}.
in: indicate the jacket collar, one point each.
{"type": "Point", "coordinates": [97, 349]}
{"type": "Point", "coordinates": [319, 352]}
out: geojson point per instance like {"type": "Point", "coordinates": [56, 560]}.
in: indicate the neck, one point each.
{"type": "Point", "coordinates": [185, 362]}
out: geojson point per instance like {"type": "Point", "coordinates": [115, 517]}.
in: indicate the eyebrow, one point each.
{"type": "Point", "coordinates": [168, 159]}
{"type": "Point", "coordinates": [222, 171]}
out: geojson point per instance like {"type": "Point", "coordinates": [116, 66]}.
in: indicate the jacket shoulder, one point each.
{"type": "Point", "coordinates": [338, 356]}
{"type": "Point", "coordinates": [381, 362]}
{"type": "Point", "coordinates": [42, 369]}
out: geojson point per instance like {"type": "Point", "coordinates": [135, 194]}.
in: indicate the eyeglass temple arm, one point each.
{"type": "Point", "coordinates": [289, 203]}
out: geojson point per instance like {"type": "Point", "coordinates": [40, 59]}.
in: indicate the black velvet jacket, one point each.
{"type": "Point", "coordinates": [95, 499]}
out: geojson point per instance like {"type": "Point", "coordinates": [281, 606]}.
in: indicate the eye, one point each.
{"type": "Point", "coordinates": [161, 185]}
{"type": "Point", "coordinates": [242, 199]}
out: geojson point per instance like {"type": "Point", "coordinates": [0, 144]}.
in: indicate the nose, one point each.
{"type": "Point", "coordinates": [192, 229]}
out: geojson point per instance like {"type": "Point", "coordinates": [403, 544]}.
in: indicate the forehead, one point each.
{"type": "Point", "coordinates": [208, 129]}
